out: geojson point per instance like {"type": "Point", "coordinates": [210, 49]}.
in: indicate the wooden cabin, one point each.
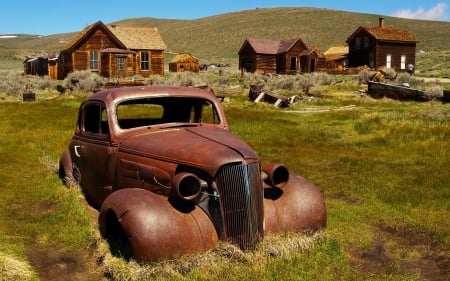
{"type": "Point", "coordinates": [274, 56]}
{"type": "Point", "coordinates": [45, 65]}
{"type": "Point", "coordinates": [184, 62]}
{"type": "Point", "coordinates": [114, 52]}
{"type": "Point", "coordinates": [382, 47]}
{"type": "Point", "coordinates": [336, 58]}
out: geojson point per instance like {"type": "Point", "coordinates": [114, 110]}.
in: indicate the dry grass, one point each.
{"type": "Point", "coordinates": [280, 246]}
{"type": "Point", "coordinates": [12, 269]}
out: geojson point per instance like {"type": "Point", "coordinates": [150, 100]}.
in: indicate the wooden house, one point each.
{"type": "Point", "coordinates": [336, 58]}
{"type": "Point", "coordinates": [382, 47]}
{"type": "Point", "coordinates": [114, 52]}
{"type": "Point", "coordinates": [274, 56]}
{"type": "Point", "coordinates": [45, 65]}
{"type": "Point", "coordinates": [184, 62]}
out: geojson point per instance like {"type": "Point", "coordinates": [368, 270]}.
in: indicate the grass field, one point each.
{"type": "Point", "coordinates": [382, 166]}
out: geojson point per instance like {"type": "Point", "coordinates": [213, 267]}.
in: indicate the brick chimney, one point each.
{"type": "Point", "coordinates": [381, 22]}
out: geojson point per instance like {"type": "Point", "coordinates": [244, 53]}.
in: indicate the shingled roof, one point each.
{"type": "Point", "coordinates": [383, 33]}
{"type": "Point", "coordinates": [184, 58]}
{"type": "Point", "coordinates": [131, 38]}
{"type": "Point", "coordinates": [138, 38]}
{"type": "Point", "coordinates": [272, 47]}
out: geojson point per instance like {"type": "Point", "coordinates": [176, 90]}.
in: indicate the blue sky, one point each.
{"type": "Point", "coordinates": [48, 17]}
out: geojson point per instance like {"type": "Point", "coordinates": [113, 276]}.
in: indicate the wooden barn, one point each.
{"type": "Point", "coordinates": [336, 58]}
{"type": "Point", "coordinates": [184, 62]}
{"type": "Point", "coordinates": [45, 65]}
{"type": "Point", "coordinates": [274, 56]}
{"type": "Point", "coordinates": [114, 52]}
{"type": "Point", "coordinates": [380, 46]}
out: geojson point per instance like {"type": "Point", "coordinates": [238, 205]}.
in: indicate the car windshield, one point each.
{"type": "Point", "coordinates": [164, 110]}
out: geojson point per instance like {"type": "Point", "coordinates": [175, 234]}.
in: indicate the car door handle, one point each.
{"type": "Point", "coordinates": [75, 148]}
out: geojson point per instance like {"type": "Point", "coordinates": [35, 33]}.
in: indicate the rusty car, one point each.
{"type": "Point", "coordinates": [168, 177]}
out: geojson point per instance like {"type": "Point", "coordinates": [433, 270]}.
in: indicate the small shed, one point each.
{"type": "Point", "coordinates": [336, 58]}
{"type": "Point", "coordinates": [45, 65]}
{"type": "Point", "coordinates": [184, 62]}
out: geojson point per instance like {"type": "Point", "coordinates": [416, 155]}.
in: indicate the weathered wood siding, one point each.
{"type": "Point", "coordinates": [266, 64]}
{"type": "Point", "coordinates": [247, 59]}
{"type": "Point", "coordinates": [396, 51]}
{"type": "Point", "coordinates": [374, 53]}
{"type": "Point", "coordinates": [184, 62]}
{"type": "Point", "coordinates": [157, 62]}
{"type": "Point", "coordinates": [77, 56]}
{"type": "Point", "coordinates": [284, 60]}
{"type": "Point", "coordinates": [53, 69]}
{"type": "Point", "coordinates": [78, 59]}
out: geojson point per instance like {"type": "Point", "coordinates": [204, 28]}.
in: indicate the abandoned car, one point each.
{"type": "Point", "coordinates": [169, 178]}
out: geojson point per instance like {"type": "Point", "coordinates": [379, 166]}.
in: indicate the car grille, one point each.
{"type": "Point", "coordinates": [241, 194]}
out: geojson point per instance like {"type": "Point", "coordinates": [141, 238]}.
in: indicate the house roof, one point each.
{"type": "Point", "coordinates": [131, 38]}
{"type": "Point", "coordinates": [87, 32]}
{"type": "Point", "coordinates": [385, 34]}
{"type": "Point", "coordinates": [336, 53]}
{"type": "Point", "coordinates": [272, 47]}
{"type": "Point", "coordinates": [336, 50]}
{"type": "Point", "coordinates": [138, 38]}
{"type": "Point", "coordinates": [184, 58]}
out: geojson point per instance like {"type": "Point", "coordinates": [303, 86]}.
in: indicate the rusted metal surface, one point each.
{"type": "Point", "coordinates": [169, 179]}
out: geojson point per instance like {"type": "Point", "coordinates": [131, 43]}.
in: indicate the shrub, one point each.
{"type": "Point", "coordinates": [365, 75]}
{"type": "Point", "coordinates": [407, 78]}
{"type": "Point", "coordinates": [84, 81]}
{"type": "Point", "coordinates": [434, 92]}
{"type": "Point", "coordinates": [14, 83]}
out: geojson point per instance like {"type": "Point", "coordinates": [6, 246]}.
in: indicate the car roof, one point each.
{"type": "Point", "coordinates": [116, 95]}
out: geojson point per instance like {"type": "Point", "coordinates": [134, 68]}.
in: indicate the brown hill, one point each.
{"type": "Point", "coordinates": [221, 36]}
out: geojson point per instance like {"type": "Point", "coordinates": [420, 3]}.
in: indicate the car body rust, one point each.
{"type": "Point", "coordinates": [170, 179]}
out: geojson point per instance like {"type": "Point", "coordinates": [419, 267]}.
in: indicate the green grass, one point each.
{"type": "Point", "coordinates": [382, 166]}
{"type": "Point", "coordinates": [37, 211]}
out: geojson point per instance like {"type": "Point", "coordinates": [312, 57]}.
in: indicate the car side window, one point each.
{"type": "Point", "coordinates": [95, 119]}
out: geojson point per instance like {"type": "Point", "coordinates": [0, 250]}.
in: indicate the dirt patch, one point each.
{"type": "Point", "coordinates": [52, 264]}
{"type": "Point", "coordinates": [404, 249]}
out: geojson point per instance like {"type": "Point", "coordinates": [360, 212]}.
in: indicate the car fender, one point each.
{"type": "Point", "coordinates": [156, 227]}
{"type": "Point", "coordinates": [65, 171]}
{"type": "Point", "coordinates": [297, 207]}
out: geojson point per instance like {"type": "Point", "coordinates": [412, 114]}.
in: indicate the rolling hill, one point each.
{"type": "Point", "coordinates": [220, 37]}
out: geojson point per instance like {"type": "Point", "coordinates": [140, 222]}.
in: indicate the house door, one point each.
{"type": "Point", "coordinates": [313, 65]}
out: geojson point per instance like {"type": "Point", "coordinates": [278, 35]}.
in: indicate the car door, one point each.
{"type": "Point", "coordinates": [92, 152]}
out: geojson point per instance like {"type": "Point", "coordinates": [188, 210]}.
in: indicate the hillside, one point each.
{"type": "Point", "coordinates": [220, 37]}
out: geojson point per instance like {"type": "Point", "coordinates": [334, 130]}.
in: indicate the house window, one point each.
{"type": "Point", "coordinates": [145, 61]}
{"type": "Point", "coordinates": [358, 43]}
{"type": "Point", "coordinates": [403, 62]}
{"type": "Point", "coordinates": [120, 63]}
{"type": "Point", "coordinates": [388, 61]}
{"type": "Point", "coordinates": [366, 42]}
{"type": "Point", "coordinates": [293, 63]}
{"type": "Point", "coordinates": [93, 60]}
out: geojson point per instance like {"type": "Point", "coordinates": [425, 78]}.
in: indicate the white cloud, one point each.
{"type": "Point", "coordinates": [437, 12]}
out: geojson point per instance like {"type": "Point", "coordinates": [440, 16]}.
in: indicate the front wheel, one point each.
{"type": "Point", "coordinates": [117, 238]}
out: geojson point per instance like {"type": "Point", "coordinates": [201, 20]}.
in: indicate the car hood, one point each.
{"type": "Point", "coordinates": [207, 148]}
